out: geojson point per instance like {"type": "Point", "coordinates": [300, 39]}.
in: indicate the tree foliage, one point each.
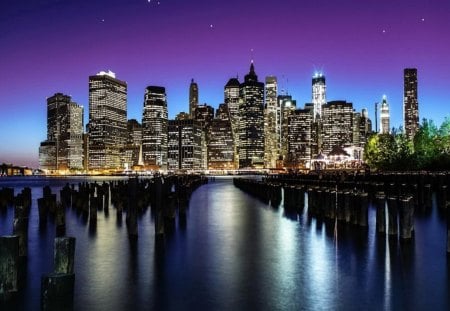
{"type": "Point", "coordinates": [430, 149]}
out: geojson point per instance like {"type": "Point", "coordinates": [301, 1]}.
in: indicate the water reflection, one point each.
{"type": "Point", "coordinates": [232, 252]}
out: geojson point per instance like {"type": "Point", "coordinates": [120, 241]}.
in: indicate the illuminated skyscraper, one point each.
{"type": "Point", "coordinates": [299, 139]}
{"type": "Point", "coordinates": [251, 124]}
{"type": "Point", "coordinates": [287, 107]}
{"type": "Point", "coordinates": [154, 128]}
{"type": "Point", "coordinates": [184, 145]}
{"type": "Point", "coordinates": [107, 120]}
{"type": "Point", "coordinates": [384, 117]}
{"type": "Point", "coordinates": [362, 128]}
{"type": "Point", "coordinates": [337, 125]}
{"type": "Point", "coordinates": [133, 145]}
{"type": "Point", "coordinates": [63, 149]}
{"type": "Point", "coordinates": [271, 123]}
{"type": "Point", "coordinates": [193, 97]}
{"type": "Point", "coordinates": [410, 103]}
{"type": "Point", "coordinates": [220, 141]}
{"type": "Point", "coordinates": [318, 94]}
{"type": "Point", "coordinates": [231, 99]}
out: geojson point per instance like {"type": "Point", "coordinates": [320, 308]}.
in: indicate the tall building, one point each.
{"type": "Point", "coordinates": [154, 128]}
{"type": "Point", "coordinates": [384, 117]}
{"type": "Point", "coordinates": [63, 149]}
{"type": "Point", "coordinates": [193, 97]}
{"type": "Point", "coordinates": [299, 139]}
{"type": "Point", "coordinates": [184, 145]}
{"type": "Point", "coordinates": [318, 94]}
{"type": "Point", "coordinates": [271, 122]}
{"type": "Point", "coordinates": [220, 141]}
{"type": "Point", "coordinates": [107, 120]}
{"type": "Point", "coordinates": [337, 125]}
{"type": "Point", "coordinates": [362, 128]}
{"type": "Point", "coordinates": [251, 125]}
{"type": "Point", "coordinates": [231, 99]}
{"type": "Point", "coordinates": [132, 151]}
{"type": "Point", "coordinates": [410, 103]}
{"type": "Point", "coordinates": [287, 107]}
{"type": "Point", "coordinates": [204, 114]}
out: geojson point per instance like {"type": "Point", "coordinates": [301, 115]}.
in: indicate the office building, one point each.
{"type": "Point", "coordinates": [410, 103]}
{"type": "Point", "coordinates": [384, 117]}
{"type": "Point", "coordinates": [184, 145]}
{"type": "Point", "coordinates": [337, 118]}
{"type": "Point", "coordinates": [271, 123]}
{"type": "Point", "coordinates": [193, 97]}
{"type": "Point", "coordinates": [154, 128]}
{"type": "Point", "coordinates": [107, 121]}
{"type": "Point", "coordinates": [318, 94]}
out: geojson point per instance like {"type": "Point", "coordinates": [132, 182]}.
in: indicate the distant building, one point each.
{"type": "Point", "coordinates": [220, 141]}
{"type": "Point", "coordinates": [231, 99]}
{"type": "Point", "coordinates": [63, 149]}
{"type": "Point", "coordinates": [154, 128]}
{"type": "Point", "coordinates": [184, 145]}
{"type": "Point", "coordinates": [132, 150]}
{"type": "Point", "coordinates": [251, 124]}
{"type": "Point", "coordinates": [318, 94]}
{"type": "Point", "coordinates": [193, 97]}
{"type": "Point", "coordinates": [287, 107]}
{"type": "Point", "coordinates": [271, 123]}
{"type": "Point", "coordinates": [410, 103]}
{"type": "Point", "coordinates": [107, 121]}
{"type": "Point", "coordinates": [384, 117]}
{"type": "Point", "coordinates": [337, 119]}
{"type": "Point", "coordinates": [299, 139]}
{"type": "Point", "coordinates": [204, 115]}
{"type": "Point", "coordinates": [183, 116]}
{"type": "Point", "coordinates": [362, 128]}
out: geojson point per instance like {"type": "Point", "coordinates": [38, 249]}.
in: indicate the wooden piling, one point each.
{"type": "Point", "coordinates": [57, 291]}
{"type": "Point", "coordinates": [20, 228]}
{"type": "Point", "coordinates": [406, 213]}
{"type": "Point", "coordinates": [381, 213]}
{"type": "Point", "coordinates": [64, 253]}
{"type": "Point", "coordinates": [392, 215]}
{"type": "Point", "coordinates": [9, 266]}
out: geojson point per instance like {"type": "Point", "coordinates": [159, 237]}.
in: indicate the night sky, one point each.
{"type": "Point", "coordinates": [362, 48]}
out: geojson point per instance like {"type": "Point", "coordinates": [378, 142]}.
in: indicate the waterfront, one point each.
{"type": "Point", "coordinates": [237, 253]}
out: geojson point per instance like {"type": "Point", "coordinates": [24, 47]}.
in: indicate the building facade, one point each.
{"type": "Point", "coordinates": [63, 149]}
{"type": "Point", "coordinates": [184, 145]}
{"type": "Point", "coordinates": [220, 141]}
{"type": "Point", "coordinates": [132, 152]}
{"type": "Point", "coordinates": [271, 123]}
{"type": "Point", "coordinates": [384, 117]}
{"type": "Point", "coordinates": [232, 99]}
{"type": "Point", "coordinates": [287, 107]}
{"type": "Point", "coordinates": [193, 97]}
{"type": "Point", "coordinates": [251, 125]}
{"type": "Point", "coordinates": [299, 139]}
{"type": "Point", "coordinates": [319, 97]}
{"type": "Point", "coordinates": [337, 125]}
{"type": "Point", "coordinates": [410, 103]}
{"type": "Point", "coordinates": [154, 128]}
{"type": "Point", "coordinates": [107, 121]}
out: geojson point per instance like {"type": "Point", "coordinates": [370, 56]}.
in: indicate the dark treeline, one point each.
{"type": "Point", "coordinates": [429, 150]}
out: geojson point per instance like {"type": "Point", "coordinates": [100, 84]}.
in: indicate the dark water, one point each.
{"type": "Point", "coordinates": [236, 253]}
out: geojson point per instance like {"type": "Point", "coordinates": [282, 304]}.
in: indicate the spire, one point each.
{"type": "Point", "coordinates": [252, 68]}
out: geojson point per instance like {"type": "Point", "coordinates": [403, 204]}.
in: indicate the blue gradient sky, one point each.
{"type": "Point", "coordinates": [50, 46]}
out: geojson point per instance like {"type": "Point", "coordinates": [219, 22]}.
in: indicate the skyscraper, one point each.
{"type": "Point", "coordinates": [231, 99]}
{"type": "Point", "coordinates": [220, 141]}
{"type": "Point", "coordinates": [337, 125]}
{"type": "Point", "coordinates": [271, 122]}
{"type": "Point", "coordinates": [154, 128]}
{"type": "Point", "coordinates": [318, 94]}
{"type": "Point", "coordinates": [251, 125]}
{"type": "Point", "coordinates": [184, 145]}
{"type": "Point", "coordinates": [299, 139]}
{"type": "Point", "coordinates": [132, 149]}
{"type": "Point", "coordinates": [193, 97]}
{"type": "Point", "coordinates": [384, 116]}
{"type": "Point", "coordinates": [410, 103]}
{"type": "Point", "coordinates": [63, 149]}
{"type": "Point", "coordinates": [107, 120]}
{"type": "Point", "coordinates": [287, 107]}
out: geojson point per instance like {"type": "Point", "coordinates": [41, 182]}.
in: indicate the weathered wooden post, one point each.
{"type": "Point", "coordinates": [57, 291]}
{"type": "Point", "coordinates": [64, 254]}
{"type": "Point", "coordinates": [93, 210]}
{"type": "Point", "coordinates": [381, 213]}
{"type": "Point", "coordinates": [406, 217]}
{"type": "Point", "coordinates": [9, 266]}
{"type": "Point", "coordinates": [60, 219]}
{"type": "Point", "coordinates": [20, 228]}
{"type": "Point", "coordinates": [392, 215]}
{"type": "Point", "coordinates": [363, 217]}
{"type": "Point", "coordinates": [347, 206]}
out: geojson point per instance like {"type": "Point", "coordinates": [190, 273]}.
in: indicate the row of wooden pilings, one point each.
{"type": "Point", "coordinates": [167, 196]}
{"type": "Point", "coordinates": [346, 198]}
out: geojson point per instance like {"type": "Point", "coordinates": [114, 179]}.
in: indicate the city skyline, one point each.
{"type": "Point", "coordinates": [54, 46]}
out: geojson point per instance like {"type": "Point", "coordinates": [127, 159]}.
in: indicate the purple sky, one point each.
{"type": "Point", "coordinates": [49, 46]}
